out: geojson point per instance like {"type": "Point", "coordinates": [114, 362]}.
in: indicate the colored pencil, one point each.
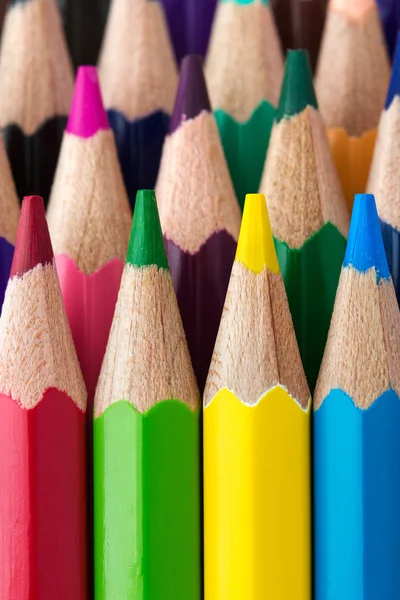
{"type": "Point", "coordinates": [199, 214]}
{"type": "Point", "coordinates": [138, 75]}
{"type": "Point", "coordinates": [190, 24]}
{"type": "Point", "coordinates": [89, 220]}
{"type": "Point", "coordinates": [389, 11]}
{"type": "Point", "coordinates": [307, 209]}
{"type": "Point", "coordinates": [36, 86]}
{"type": "Point", "coordinates": [84, 22]}
{"type": "Point", "coordinates": [351, 83]}
{"type": "Point", "coordinates": [42, 429]}
{"type": "Point", "coordinates": [244, 74]}
{"type": "Point", "coordinates": [356, 426]}
{"type": "Point", "coordinates": [301, 24]}
{"type": "Point", "coordinates": [382, 180]}
{"type": "Point", "coordinates": [146, 435]}
{"type": "Point", "coordinates": [257, 530]}
{"type": "Point", "coordinates": [9, 216]}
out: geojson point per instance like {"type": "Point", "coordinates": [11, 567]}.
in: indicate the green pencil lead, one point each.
{"type": "Point", "coordinates": [146, 245]}
{"type": "Point", "coordinates": [297, 88]}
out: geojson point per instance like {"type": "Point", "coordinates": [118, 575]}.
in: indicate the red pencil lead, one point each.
{"type": "Point", "coordinates": [33, 246]}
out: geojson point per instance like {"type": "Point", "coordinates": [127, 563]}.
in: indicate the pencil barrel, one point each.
{"type": "Point", "coordinates": [357, 498]}
{"type": "Point", "coordinates": [257, 498]}
{"type": "Point", "coordinates": [42, 500]}
{"type": "Point", "coordinates": [147, 503]}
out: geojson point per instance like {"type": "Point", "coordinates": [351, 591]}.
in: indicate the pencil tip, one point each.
{"type": "Point", "coordinates": [146, 244]}
{"type": "Point", "coordinates": [33, 245]}
{"type": "Point", "coordinates": [256, 249]}
{"type": "Point", "coordinates": [192, 96]}
{"type": "Point", "coordinates": [297, 88]}
{"type": "Point", "coordinates": [87, 114]}
{"type": "Point", "coordinates": [365, 245]}
{"type": "Point", "coordinates": [394, 86]}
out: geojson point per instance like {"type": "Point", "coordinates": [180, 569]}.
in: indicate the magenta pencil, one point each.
{"type": "Point", "coordinates": [89, 219]}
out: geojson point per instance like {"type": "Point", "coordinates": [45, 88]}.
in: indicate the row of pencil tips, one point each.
{"type": "Point", "coordinates": [145, 467]}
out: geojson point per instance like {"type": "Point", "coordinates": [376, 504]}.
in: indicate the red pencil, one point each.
{"type": "Point", "coordinates": [42, 429]}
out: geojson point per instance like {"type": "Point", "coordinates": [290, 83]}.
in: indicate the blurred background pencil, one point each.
{"type": "Point", "coordinates": [308, 212]}
{"type": "Point", "coordinates": [84, 22]}
{"type": "Point", "coordinates": [257, 532]}
{"type": "Point", "coordinates": [42, 429]}
{"type": "Point", "coordinates": [189, 22]}
{"type": "Point", "coordinates": [9, 216]}
{"type": "Point", "coordinates": [351, 83]}
{"type": "Point", "coordinates": [146, 435]}
{"type": "Point", "coordinates": [139, 78]}
{"type": "Point", "coordinates": [244, 72]}
{"type": "Point", "coordinates": [356, 426]}
{"type": "Point", "coordinates": [383, 179]}
{"type": "Point", "coordinates": [36, 86]}
{"type": "Point", "coordinates": [300, 24]}
{"type": "Point", "coordinates": [199, 214]}
{"type": "Point", "coordinates": [89, 221]}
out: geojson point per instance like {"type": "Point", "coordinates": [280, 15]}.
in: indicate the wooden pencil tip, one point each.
{"type": "Point", "coordinates": [256, 249]}
{"type": "Point", "coordinates": [365, 245]}
{"type": "Point", "coordinates": [33, 245]}
{"type": "Point", "coordinates": [146, 244]}
{"type": "Point", "coordinates": [394, 86]}
{"type": "Point", "coordinates": [297, 88]}
{"type": "Point", "coordinates": [192, 96]}
{"type": "Point", "coordinates": [87, 114]}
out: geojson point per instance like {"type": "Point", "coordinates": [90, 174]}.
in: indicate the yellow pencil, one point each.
{"type": "Point", "coordinates": [256, 434]}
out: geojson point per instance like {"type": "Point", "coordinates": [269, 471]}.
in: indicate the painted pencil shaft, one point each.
{"type": "Point", "coordinates": [84, 23]}
{"type": "Point", "coordinates": [356, 423]}
{"type": "Point", "coordinates": [138, 74]}
{"type": "Point", "coordinates": [190, 23]}
{"type": "Point", "coordinates": [36, 88]}
{"type": "Point", "coordinates": [146, 435]}
{"type": "Point", "coordinates": [42, 429]}
{"type": "Point", "coordinates": [301, 24]}
{"type": "Point", "coordinates": [256, 485]}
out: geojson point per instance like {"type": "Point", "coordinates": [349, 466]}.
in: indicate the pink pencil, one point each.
{"type": "Point", "coordinates": [89, 220]}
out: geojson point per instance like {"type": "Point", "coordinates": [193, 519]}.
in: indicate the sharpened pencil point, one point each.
{"type": "Point", "coordinates": [192, 96]}
{"type": "Point", "coordinates": [33, 246]}
{"type": "Point", "coordinates": [256, 249]}
{"type": "Point", "coordinates": [297, 88]}
{"type": "Point", "coordinates": [365, 245]}
{"type": "Point", "coordinates": [146, 245]}
{"type": "Point", "coordinates": [394, 86]}
{"type": "Point", "coordinates": [87, 114]}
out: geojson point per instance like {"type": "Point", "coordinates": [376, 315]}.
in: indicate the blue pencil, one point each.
{"type": "Point", "coordinates": [357, 427]}
{"type": "Point", "coordinates": [384, 179]}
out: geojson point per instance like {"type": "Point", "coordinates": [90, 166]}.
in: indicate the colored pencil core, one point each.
{"type": "Point", "coordinates": [365, 246]}
{"type": "Point", "coordinates": [146, 245]}
{"type": "Point", "coordinates": [33, 245]}
{"type": "Point", "coordinates": [394, 86]}
{"type": "Point", "coordinates": [192, 97]}
{"type": "Point", "coordinates": [87, 114]}
{"type": "Point", "coordinates": [256, 248]}
{"type": "Point", "coordinates": [297, 88]}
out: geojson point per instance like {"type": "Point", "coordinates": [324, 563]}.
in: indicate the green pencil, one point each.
{"type": "Point", "coordinates": [146, 435]}
{"type": "Point", "coordinates": [307, 209]}
{"type": "Point", "coordinates": [244, 70]}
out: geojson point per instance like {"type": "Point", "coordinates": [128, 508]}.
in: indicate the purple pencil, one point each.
{"type": "Point", "coordinates": [199, 214]}
{"type": "Point", "coordinates": [189, 23]}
